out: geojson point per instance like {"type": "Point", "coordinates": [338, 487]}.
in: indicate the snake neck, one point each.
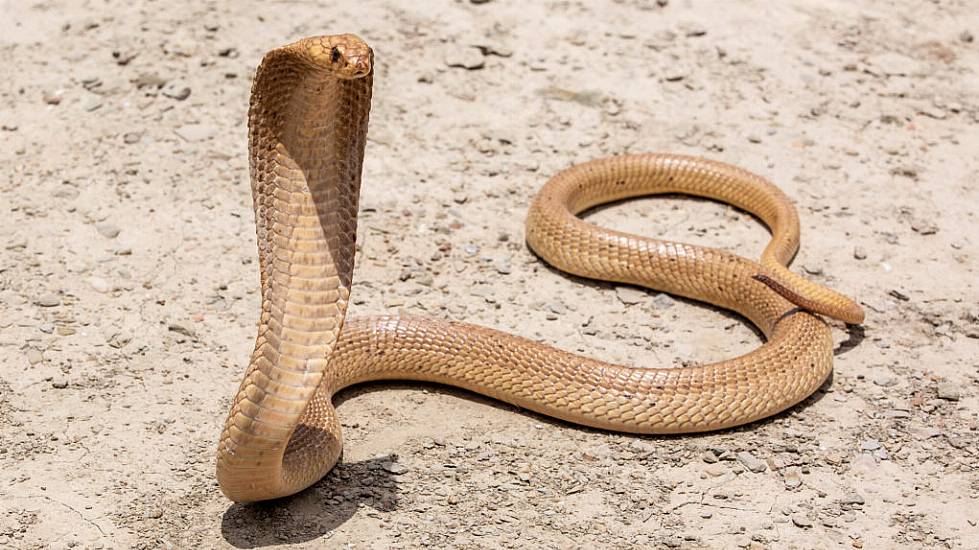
{"type": "Point", "coordinates": [307, 133]}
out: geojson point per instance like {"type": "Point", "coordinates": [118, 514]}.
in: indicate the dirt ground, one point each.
{"type": "Point", "coordinates": [128, 272]}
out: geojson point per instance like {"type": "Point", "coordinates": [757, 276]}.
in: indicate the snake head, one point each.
{"type": "Point", "coordinates": [346, 56]}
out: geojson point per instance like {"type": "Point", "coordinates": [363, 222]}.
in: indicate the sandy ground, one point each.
{"type": "Point", "coordinates": [128, 275]}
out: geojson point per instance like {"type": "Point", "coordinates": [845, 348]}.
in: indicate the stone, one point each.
{"type": "Point", "coordinates": [663, 301]}
{"type": "Point", "coordinates": [752, 463]}
{"type": "Point", "coordinates": [176, 90]}
{"type": "Point", "coordinates": [149, 80]}
{"type": "Point", "coordinates": [99, 284]}
{"type": "Point", "coordinates": [196, 132]}
{"type": "Point", "coordinates": [59, 381]}
{"type": "Point", "coordinates": [469, 58]}
{"type": "Point", "coordinates": [108, 230]}
{"type": "Point", "coordinates": [869, 445]}
{"type": "Point", "coordinates": [395, 468]}
{"type": "Point", "coordinates": [629, 295]}
{"type": "Point", "coordinates": [92, 103]}
{"type": "Point", "coordinates": [949, 391]}
{"type": "Point", "coordinates": [885, 380]}
{"type": "Point", "coordinates": [801, 520]}
{"type": "Point", "coordinates": [48, 300]}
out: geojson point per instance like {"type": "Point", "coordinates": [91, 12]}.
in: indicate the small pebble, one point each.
{"type": "Point", "coordinates": [860, 253]}
{"type": "Point", "coordinates": [752, 463]}
{"type": "Point", "coordinates": [108, 230]}
{"type": "Point", "coordinates": [468, 58]}
{"type": "Point", "coordinates": [195, 132]}
{"type": "Point", "coordinates": [801, 520]}
{"type": "Point", "coordinates": [48, 300]}
{"type": "Point", "coordinates": [52, 98]}
{"type": "Point", "coordinates": [92, 103]}
{"type": "Point", "coordinates": [869, 445]}
{"type": "Point", "coordinates": [630, 295]}
{"type": "Point", "coordinates": [176, 90]}
{"type": "Point", "coordinates": [949, 391]}
{"type": "Point", "coordinates": [395, 468]}
{"type": "Point", "coordinates": [59, 381]}
{"type": "Point", "coordinates": [885, 380]}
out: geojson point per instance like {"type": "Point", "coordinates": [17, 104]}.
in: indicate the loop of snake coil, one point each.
{"type": "Point", "coordinates": [307, 131]}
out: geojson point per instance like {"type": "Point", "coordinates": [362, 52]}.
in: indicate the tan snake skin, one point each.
{"type": "Point", "coordinates": [307, 131]}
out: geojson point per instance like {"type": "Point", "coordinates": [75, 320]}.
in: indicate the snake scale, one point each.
{"type": "Point", "coordinates": [307, 122]}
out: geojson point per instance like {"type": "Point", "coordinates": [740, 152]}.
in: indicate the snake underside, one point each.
{"type": "Point", "coordinates": [307, 132]}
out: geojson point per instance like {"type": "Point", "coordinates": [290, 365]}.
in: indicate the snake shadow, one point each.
{"type": "Point", "coordinates": [315, 512]}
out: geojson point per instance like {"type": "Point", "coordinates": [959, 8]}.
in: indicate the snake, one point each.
{"type": "Point", "coordinates": [307, 134]}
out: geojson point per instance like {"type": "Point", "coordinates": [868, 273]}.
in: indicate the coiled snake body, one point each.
{"type": "Point", "coordinates": [307, 132]}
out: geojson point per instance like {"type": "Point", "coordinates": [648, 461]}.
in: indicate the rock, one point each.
{"type": "Point", "coordinates": [34, 356]}
{"type": "Point", "coordinates": [629, 295]}
{"type": "Point", "coordinates": [92, 103]}
{"type": "Point", "coordinates": [502, 265]}
{"type": "Point", "coordinates": [893, 64]}
{"type": "Point", "coordinates": [182, 329]}
{"type": "Point", "coordinates": [885, 380]}
{"type": "Point", "coordinates": [131, 138]}
{"type": "Point", "coordinates": [792, 478]}
{"type": "Point", "coordinates": [176, 90]}
{"type": "Point", "coordinates": [59, 381]}
{"type": "Point", "coordinates": [108, 230]}
{"type": "Point", "coordinates": [949, 391]}
{"type": "Point", "coordinates": [119, 339]}
{"type": "Point", "coordinates": [853, 499]}
{"type": "Point", "coordinates": [899, 295]}
{"type": "Point", "coordinates": [99, 284]}
{"type": "Point", "coordinates": [801, 520]}
{"type": "Point", "coordinates": [494, 49]}
{"type": "Point", "coordinates": [753, 464]}
{"type": "Point", "coordinates": [469, 58]}
{"type": "Point", "coordinates": [48, 300]}
{"type": "Point", "coordinates": [149, 80]}
{"type": "Point", "coordinates": [925, 433]}
{"type": "Point", "coordinates": [924, 227]}
{"type": "Point", "coordinates": [715, 470]}
{"type": "Point", "coordinates": [52, 98]}
{"type": "Point", "coordinates": [967, 37]}
{"type": "Point", "coordinates": [196, 132]}
{"type": "Point", "coordinates": [859, 253]}
{"type": "Point", "coordinates": [812, 270]}
{"type": "Point", "coordinates": [124, 57]}
{"type": "Point", "coordinates": [395, 468]}
{"type": "Point", "coordinates": [709, 457]}
{"type": "Point", "coordinates": [869, 445]}
{"type": "Point", "coordinates": [663, 301]}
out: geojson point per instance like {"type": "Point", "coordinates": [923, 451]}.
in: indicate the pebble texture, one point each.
{"type": "Point", "coordinates": [865, 113]}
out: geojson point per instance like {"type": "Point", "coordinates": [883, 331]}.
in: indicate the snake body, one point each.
{"type": "Point", "coordinates": [307, 133]}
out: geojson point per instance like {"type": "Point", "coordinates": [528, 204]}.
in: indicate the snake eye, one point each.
{"type": "Point", "coordinates": [335, 54]}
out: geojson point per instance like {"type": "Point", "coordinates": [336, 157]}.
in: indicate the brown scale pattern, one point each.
{"type": "Point", "coordinates": [307, 131]}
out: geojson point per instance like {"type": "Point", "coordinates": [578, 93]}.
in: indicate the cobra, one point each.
{"type": "Point", "coordinates": [307, 122]}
